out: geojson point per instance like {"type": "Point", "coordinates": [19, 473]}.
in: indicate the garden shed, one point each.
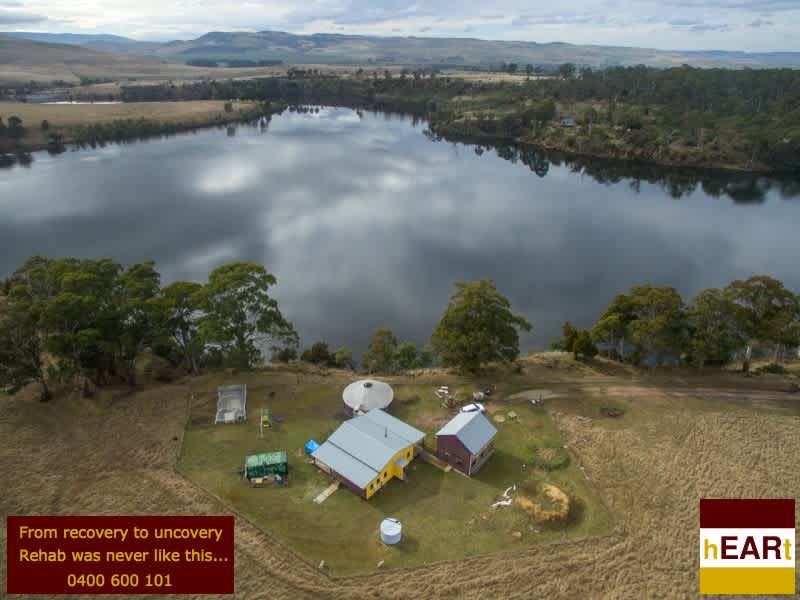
{"type": "Point", "coordinates": [466, 442]}
{"type": "Point", "coordinates": [268, 463]}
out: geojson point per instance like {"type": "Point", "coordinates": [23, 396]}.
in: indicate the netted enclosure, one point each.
{"type": "Point", "coordinates": [231, 404]}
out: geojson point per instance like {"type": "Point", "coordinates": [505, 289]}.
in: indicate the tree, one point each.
{"type": "Point", "coordinates": [529, 69]}
{"type": "Point", "coordinates": [228, 107]}
{"type": "Point", "coordinates": [766, 308]}
{"type": "Point", "coordinates": [577, 341]}
{"type": "Point", "coordinates": [569, 335]}
{"type": "Point", "coordinates": [20, 350]}
{"type": "Point", "coordinates": [512, 68]}
{"type": "Point", "coordinates": [566, 70]}
{"type": "Point", "coordinates": [15, 128]}
{"type": "Point", "coordinates": [545, 111]}
{"type": "Point", "coordinates": [318, 354]}
{"type": "Point", "coordinates": [650, 317]}
{"type": "Point", "coordinates": [426, 357]}
{"type": "Point", "coordinates": [788, 328]}
{"type": "Point", "coordinates": [343, 357]}
{"type": "Point", "coordinates": [283, 354]}
{"type": "Point", "coordinates": [179, 303]}
{"type": "Point", "coordinates": [612, 327]}
{"type": "Point", "coordinates": [659, 326]}
{"type": "Point", "coordinates": [583, 345]}
{"type": "Point", "coordinates": [82, 319]}
{"type": "Point", "coordinates": [380, 352]}
{"type": "Point", "coordinates": [45, 125]}
{"type": "Point", "coordinates": [478, 327]}
{"type": "Point", "coordinates": [405, 357]}
{"type": "Point", "coordinates": [239, 316]}
{"type": "Point", "coordinates": [715, 327]}
{"type": "Point", "coordinates": [138, 306]}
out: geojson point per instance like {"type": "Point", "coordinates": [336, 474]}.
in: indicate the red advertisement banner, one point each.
{"type": "Point", "coordinates": [119, 555]}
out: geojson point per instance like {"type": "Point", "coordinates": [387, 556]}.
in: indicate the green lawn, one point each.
{"type": "Point", "coordinates": [445, 516]}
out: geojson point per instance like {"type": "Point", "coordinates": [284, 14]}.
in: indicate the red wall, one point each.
{"type": "Point", "coordinates": [450, 449]}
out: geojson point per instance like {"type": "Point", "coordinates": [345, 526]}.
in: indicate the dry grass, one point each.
{"type": "Point", "coordinates": [63, 118]}
{"type": "Point", "coordinates": [487, 77]}
{"type": "Point", "coordinates": [24, 61]}
{"type": "Point", "coordinates": [115, 455]}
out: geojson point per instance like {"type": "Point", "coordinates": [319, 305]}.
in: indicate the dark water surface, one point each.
{"type": "Point", "coordinates": [367, 222]}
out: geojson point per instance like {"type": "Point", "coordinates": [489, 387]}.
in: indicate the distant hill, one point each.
{"type": "Point", "coordinates": [103, 42]}
{"type": "Point", "coordinates": [441, 52]}
{"type": "Point", "coordinates": [336, 48]}
{"type": "Point", "coordinates": [23, 60]}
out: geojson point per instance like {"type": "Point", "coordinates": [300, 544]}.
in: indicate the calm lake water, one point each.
{"type": "Point", "coordinates": [366, 221]}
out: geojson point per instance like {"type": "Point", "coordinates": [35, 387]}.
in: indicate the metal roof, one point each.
{"type": "Point", "coordinates": [472, 429]}
{"type": "Point", "coordinates": [347, 466]}
{"type": "Point", "coordinates": [364, 445]}
{"type": "Point", "coordinates": [411, 434]}
{"type": "Point", "coordinates": [371, 448]}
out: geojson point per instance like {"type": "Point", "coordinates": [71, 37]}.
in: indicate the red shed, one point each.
{"type": "Point", "coordinates": [466, 441]}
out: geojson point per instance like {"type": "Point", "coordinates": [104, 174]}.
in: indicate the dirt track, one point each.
{"type": "Point", "coordinates": [115, 455]}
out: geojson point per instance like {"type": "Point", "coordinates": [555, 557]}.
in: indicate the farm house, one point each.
{"type": "Point", "coordinates": [366, 452]}
{"type": "Point", "coordinates": [269, 463]}
{"type": "Point", "coordinates": [466, 441]}
{"type": "Point", "coordinates": [365, 395]}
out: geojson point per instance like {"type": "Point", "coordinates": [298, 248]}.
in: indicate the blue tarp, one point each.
{"type": "Point", "coordinates": [311, 445]}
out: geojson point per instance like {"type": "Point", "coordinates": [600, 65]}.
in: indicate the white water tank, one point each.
{"type": "Point", "coordinates": [391, 531]}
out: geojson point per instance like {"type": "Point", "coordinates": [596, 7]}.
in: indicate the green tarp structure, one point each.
{"type": "Point", "coordinates": [270, 463]}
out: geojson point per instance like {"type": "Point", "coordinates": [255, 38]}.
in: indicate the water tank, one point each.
{"type": "Point", "coordinates": [391, 531]}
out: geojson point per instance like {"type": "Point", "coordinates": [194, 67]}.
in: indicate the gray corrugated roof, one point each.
{"type": "Point", "coordinates": [370, 449]}
{"type": "Point", "coordinates": [395, 425]}
{"type": "Point", "coordinates": [363, 446]}
{"type": "Point", "coordinates": [472, 429]}
{"type": "Point", "coordinates": [347, 466]}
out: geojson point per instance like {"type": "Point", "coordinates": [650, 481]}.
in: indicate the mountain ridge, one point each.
{"type": "Point", "coordinates": [337, 48]}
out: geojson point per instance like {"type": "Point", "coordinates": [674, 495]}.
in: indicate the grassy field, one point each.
{"type": "Point", "coordinates": [684, 435]}
{"type": "Point", "coordinates": [65, 118]}
{"type": "Point", "coordinates": [446, 516]}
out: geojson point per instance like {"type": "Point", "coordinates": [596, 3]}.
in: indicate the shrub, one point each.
{"type": "Point", "coordinates": [550, 458]}
{"type": "Point", "coordinates": [772, 368]}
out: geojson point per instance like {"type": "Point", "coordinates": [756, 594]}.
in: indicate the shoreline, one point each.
{"type": "Point", "coordinates": [125, 122]}
{"type": "Point", "coordinates": [73, 137]}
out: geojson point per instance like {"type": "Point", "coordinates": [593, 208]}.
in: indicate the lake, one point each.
{"type": "Point", "coordinates": [367, 221]}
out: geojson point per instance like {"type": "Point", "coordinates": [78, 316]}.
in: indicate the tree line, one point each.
{"type": "Point", "coordinates": [87, 321]}
{"type": "Point", "coordinates": [681, 115]}
{"type": "Point", "coordinates": [653, 323]}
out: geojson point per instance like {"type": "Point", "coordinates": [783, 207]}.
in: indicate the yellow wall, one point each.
{"type": "Point", "coordinates": [391, 469]}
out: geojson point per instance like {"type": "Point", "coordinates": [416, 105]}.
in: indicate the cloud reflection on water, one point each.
{"type": "Point", "coordinates": [366, 222]}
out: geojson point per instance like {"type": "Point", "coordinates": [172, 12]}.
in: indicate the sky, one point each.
{"type": "Point", "coordinates": [747, 25]}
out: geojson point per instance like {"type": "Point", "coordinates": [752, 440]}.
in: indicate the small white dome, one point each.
{"type": "Point", "coordinates": [367, 394]}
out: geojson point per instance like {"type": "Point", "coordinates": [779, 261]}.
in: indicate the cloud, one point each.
{"type": "Point", "coordinates": [557, 19]}
{"type": "Point", "coordinates": [705, 27]}
{"type": "Point", "coordinates": [8, 17]}
{"type": "Point", "coordinates": [665, 24]}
